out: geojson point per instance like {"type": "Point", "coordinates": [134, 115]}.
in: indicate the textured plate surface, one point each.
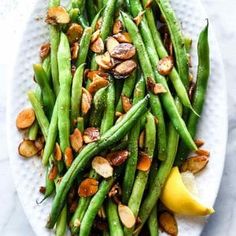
{"type": "Point", "coordinates": [29, 174]}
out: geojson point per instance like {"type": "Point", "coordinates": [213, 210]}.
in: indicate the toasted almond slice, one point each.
{"type": "Point", "coordinates": [111, 43]}
{"type": "Point", "coordinates": [25, 118]}
{"type": "Point", "coordinates": [96, 74]}
{"type": "Point", "coordinates": [144, 162]}
{"type": "Point", "coordinates": [123, 51]}
{"type": "Point", "coordinates": [88, 187]}
{"type": "Point", "coordinates": [73, 70]}
{"type": "Point", "coordinates": [148, 4]}
{"type": "Point", "coordinates": [117, 158]}
{"type": "Point", "coordinates": [126, 104]}
{"type": "Point", "coordinates": [86, 101]}
{"type": "Point", "coordinates": [57, 152]}
{"type": "Point", "coordinates": [102, 167]}
{"type": "Point", "coordinates": [74, 50]}
{"type": "Point", "coordinates": [97, 46]}
{"type": "Point", "coordinates": [115, 191]}
{"type": "Point", "coordinates": [155, 88]}
{"type": "Point", "coordinates": [141, 140]}
{"type": "Point", "coordinates": [39, 143]}
{"type": "Point", "coordinates": [74, 33]}
{"type": "Point", "coordinates": [165, 65]}
{"type": "Point", "coordinates": [57, 15]}
{"type": "Point", "coordinates": [118, 114]}
{"type": "Point", "coordinates": [124, 69]}
{"type": "Point", "coordinates": [123, 37]}
{"type": "Point", "coordinates": [191, 90]}
{"type": "Point", "coordinates": [117, 27]}
{"type": "Point", "coordinates": [195, 164]}
{"type": "Point", "coordinates": [102, 213]}
{"type": "Point", "coordinates": [199, 142]}
{"type": "Point", "coordinates": [95, 36]}
{"type": "Point", "coordinates": [139, 18]}
{"type": "Point", "coordinates": [76, 140]}
{"type": "Point", "coordinates": [91, 134]}
{"type": "Point", "coordinates": [168, 223]}
{"type": "Point", "coordinates": [104, 61]}
{"type": "Point", "coordinates": [99, 23]}
{"type": "Point", "coordinates": [68, 157]}
{"type": "Point", "coordinates": [97, 84]}
{"type": "Point", "coordinates": [126, 216]}
{"type": "Point", "coordinates": [44, 50]}
{"type": "Point", "coordinates": [52, 174]}
{"type": "Point", "coordinates": [203, 152]}
{"type": "Point", "coordinates": [27, 148]}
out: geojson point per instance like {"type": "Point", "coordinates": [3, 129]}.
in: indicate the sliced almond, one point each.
{"type": "Point", "coordinates": [124, 69]}
{"type": "Point", "coordinates": [91, 134]}
{"type": "Point", "coordinates": [144, 162]}
{"type": "Point", "coordinates": [74, 33]}
{"type": "Point", "coordinates": [141, 140]}
{"type": "Point", "coordinates": [126, 216]}
{"type": "Point", "coordinates": [104, 61]}
{"type": "Point", "coordinates": [102, 213]}
{"type": "Point", "coordinates": [68, 156]}
{"type": "Point", "coordinates": [118, 114]}
{"type": "Point", "coordinates": [148, 4]}
{"type": "Point", "coordinates": [57, 15]}
{"type": "Point", "coordinates": [195, 164]}
{"type": "Point", "coordinates": [52, 174]}
{"type": "Point", "coordinates": [39, 143]}
{"type": "Point", "coordinates": [97, 46]}
{"type": "Point", "coordinates": [95, 36]}
{"type": "Point", "coordinates": [111, 43]}
{"type": "Point", "coordinates": [97, 84]}
{"type": "Point", "coordinates": [123, 51]}
{"type": "Point", "coordinates": [74, 50]}
{"type": "Point", "coordinates": [25, 118]}
{"type": "Point", "coordinates": [199, 142]}
{"type": "Point", "coordinates": [168, 223]}
{"type": "Point", "coordinates": [86, 101]}
{"type": "Point", "coordinates": [76, 140]}
{"type": "Point", "coordinates": [203, 152]}
{"type": "Point", "coordinates": [117, 158]}
{"type": "Point", "coordinates": [191, 90]}
{"type": "Point", "coordinates": [102, 167]}
{"type": "Point", "coordinates": [99, 23]}
{"type": "Point", "coordinates": [96, 74]}
{"type": "Point", "coordinates": [123, 37]}
{"type": "Point", "coordinates": [44, 50]}
{"type": "Point", "coordinates": [117, 27]}
{"type": "Point", "coordinates": [126, 103]}
{"type": "Point", "coordinates": [115, 191]}
{"type": "Point", "coordinates": [88, 187]}
{"type": "Point", "coordinates": [73, 70]}
{"type": "Point", "coordinates": [139, 18]}
{"type": "Point", "coordinates": [165, 65]}
{"type": "Point", "coordinates": [57, 152]}
{"type": "Point", "coordinates": [27, 148]}
{"type": "Point", "coordinates": [154, 87]}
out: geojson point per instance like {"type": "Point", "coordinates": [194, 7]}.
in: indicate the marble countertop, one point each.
{"type": "Point", "coordinates": [222, 16]}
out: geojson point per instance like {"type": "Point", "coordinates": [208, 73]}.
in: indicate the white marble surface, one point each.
{"type": "Point", "coordinates": [222, 15]}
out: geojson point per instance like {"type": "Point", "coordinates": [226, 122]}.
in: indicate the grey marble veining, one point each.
{"type": "Point", "coordinates": [222, 16]}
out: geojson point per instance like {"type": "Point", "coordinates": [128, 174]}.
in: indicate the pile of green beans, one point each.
{"type": "Point", "coordinates": [161, 126]}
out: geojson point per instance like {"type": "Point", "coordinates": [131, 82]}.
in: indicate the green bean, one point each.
{"type": "Point", "coordinates": [48, 96]}
{"type": "Point", "coordinates": [47, 68]}
{"type": "Point", "coordinates": [154, 190]}
{"type": "Point", "coordinates": [142, 176]}
{"type": "Point", "coordinates": [200, 91]}
{"type": "Point", "coordinates": [74, 15]}
{"type": "Point", "coordinates": [188, 43]}
{"type": "Point", "coordinates": [61, 223]}
{"type": "Point", "coordinates": [76, 93]}
{"type": "Point", "coordinates": [33, 131]}
{"type": "Point", "coordinates": [115, 227]}
{"type": "Point", "coordinates": [65, 77]}
{"type": "Point", "coordinates": [112, 136]}
{"type": "Point", "coordinates": [166, 98]}
{"type": "Point", "coordinates": [100, 4]}
{"type": "Point", "coordinates": [118, 86]}
{"type": "Point", "coordinates": [91, 10]}
{"type": "Point", "coordinates": [80, 124]}
{"type": "Point", "coordinates": [176, 38]}
{"type": "Point", "coordinates": [153, 222]}
{"type": "Point", "coordinates": [109, 114]}
{"type": "Point", "coordinates": [96, 18]}
{"type": "Point", "coordinates": [131, 163]}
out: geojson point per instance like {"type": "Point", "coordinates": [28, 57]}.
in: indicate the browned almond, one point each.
{"type": "Point", "coordinates": [195, 164]}
{"type": "Point", "coordinates": [95, 36]}
{"type": "Point", "coordinates": [76, 140]}
{"type": "Point", "coordinates": [111, 43]}
{"type": "Point", "coordinates": [52, 174]}
{"type": "Point", "coordinates": [88, 187]}
{"type": "Point", "coordinates": [115, 191]}
{"type": "Point", "coordinates": [117, 158]}
{"type": "Point", "coordinates": [74, 33]}
{"type": "Point", "coordinates": [27, 148]}
{"type": "Point", "coordinates": [25, 118]}
{"type": "Point", "coordinates": [203, 152]}
{"type": "Point", "coordinates": [148, 4]}
{"type": "Point", "coordinates": [102, 167]}
{"type": "Point", "coordinates": [102, 213]}
{"type": "Point", "coordinates": [154, 87]}
{"type": "Point", "coordinates": [86, 101]}
{"type": "Point", "coordinates": [123, 51]}
{"type": "Point", "coordinates": [118, 114]}
{"type": "Point", "coordinates": [168, 223]}
{"type": "Point", "coordinates": [39, 143]}
{"type": "Point", "coordinates": [42, 189]}
{"type": "Point", "coordinates": [99, 23]}
{"type": "Point", "coordinates": [191, 90]}
{"type": "Point", "coordinates": [117, 27]}
{"type": "Point", "coordinates": [123, 37]}
{"type": "Point", "coordinates": [126, 103]}
{"type": "Point", "coordinates": [124, 69]}
{"type": "Point", "coordinates": [199, 142]}
{"type": "Point", "coordinates": [165, 65]}
{"type": "Point", "coordinates": [91, 134]}
{"type": "Point", "coordinates": [104, 61]}
{"type": "Point", "coordinates": [74, 50]}
{"type": "Point", "coordinates": [141, 140]}
{"type": "Point", "coordinates": [139, 18]}
{"type": "Point", "coordinates": [44, 50]}
{"type": "Point", "coordinates": [96, 74]}
{"type": "Point", "coordinates": [126, 216]}
{"type": "Point", "coordinates": [97, 84]}
{"type": "Point", "coordinates": [73, 70]}
{"type": "Point", "coordinates": [68, 157]}
{"type": "Point", "coordinates": [57, 152]}
{"type": "Point", "coordinates": [144, 162]}
{"type": "Point", "coordinates": [57, 15]}
{"type": "Point", "coordinates": [97, 46]}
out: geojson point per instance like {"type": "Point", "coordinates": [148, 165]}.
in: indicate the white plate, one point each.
{"type": "Point", "coordinates": [29, 174]}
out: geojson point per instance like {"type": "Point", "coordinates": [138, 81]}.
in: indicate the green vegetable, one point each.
{"type": "Point", "coordinates": [61, 223]}
{"type": "Point", "coordinates": [47, 68]}
{"type": "Point", "coordinates": [153, 222]}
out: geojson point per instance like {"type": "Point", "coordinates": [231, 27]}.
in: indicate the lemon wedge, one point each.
{"type": "Point", "coordinates": [177, 196]}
